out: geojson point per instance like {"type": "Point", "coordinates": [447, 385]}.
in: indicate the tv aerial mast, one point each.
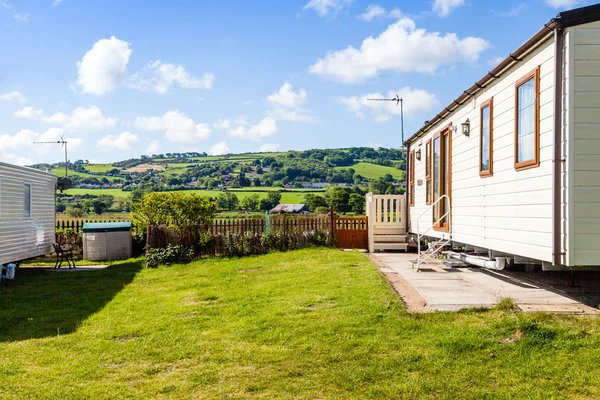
{"type": "Point", "coordinates": [399, 101]}
{"type": "Point", "coordinates": [63, 143]}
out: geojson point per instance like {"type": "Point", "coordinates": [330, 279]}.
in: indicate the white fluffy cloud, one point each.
{"type": "Point", "coordinates": [268, 147]}
{"type": "Point", "coordinates": [287, 97]}
{"type": "Point", "coordinates": [15, 159]}
{"type": "Point", "coordinates": [54, 135]}
{"type": "Point", "coordinates": [177, 127]}
{"type": "Point", "coordinates": [56, 2]}
{"type": "Point", "coordinates": [400, 48]}
{"type": "Point", "coordinates": [443, 8]}
{"type": "Point", "coordinates": [161, 77]}
{"type": "Point", "coordinates": [374, 11]}
{"type": "Point", "coordinates": [14, 97]}
{"type": "Point", "coordinates": [416, 102]}
{"type": "Point", "coordinates": [29, 112]}
{"type": "Point", "coordinates": [222, 124]}
{"type": "Point", "coordinates": [104, 68]}
{"type": "Point", "coordinates": [266, 127]}
{"type": "Point", "coordinates": [326, 7]}
{"type": "Point", "coordinates": [219, 149]}
{"type": "Point", "coordinates": [287, 105]}
{"type": "Point", "coordinates": [153, 147]}
{"type": "Point", "coordinates": [124, 141]}
{"type": "Point", "coordinates": [81, 119]}
{"type": "Point", "coordinates": [561, 3]}
{"type": "Point", "coordinates": [21, 139]}
{"type": "Point", "coordinates": [25, 137]}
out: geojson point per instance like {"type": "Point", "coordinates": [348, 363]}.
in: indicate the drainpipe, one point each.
{"type": "Point", "coordinates": [499, 264]}
{"type": "Point", "coordinates": [557, 160]}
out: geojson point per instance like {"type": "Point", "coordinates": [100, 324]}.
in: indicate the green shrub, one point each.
{"type": "Point", "coordinates": [169, 255]}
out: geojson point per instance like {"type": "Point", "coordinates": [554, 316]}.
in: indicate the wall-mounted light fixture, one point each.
{"type": "Point", "coordinates": [466, 127]}
{"type": "Point", "coordinates": [418, 154]}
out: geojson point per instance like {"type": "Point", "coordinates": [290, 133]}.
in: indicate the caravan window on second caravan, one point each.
{"type": "Point", "coordinates": [486, 138]}
{"type": "Point", "coordinates": [527, 121]}
{"type": "Point", "coordinates": [27, 200]}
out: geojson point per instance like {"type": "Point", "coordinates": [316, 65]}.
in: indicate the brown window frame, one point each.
{"type": "Point", "coordinates": [428, 167]}
{"type": "Point", "coordinates": [535, 161]}
{"type": "Point", "coordinates": [490, 171]}
{"type": "Point", "coordinates": [412, 178]}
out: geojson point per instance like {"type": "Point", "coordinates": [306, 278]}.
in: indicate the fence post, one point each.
{"type": "Point", "coordinates": [331, 224]}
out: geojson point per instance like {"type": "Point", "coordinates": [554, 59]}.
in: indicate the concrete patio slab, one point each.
{"type": "Point", "coordinates": [450, 289]}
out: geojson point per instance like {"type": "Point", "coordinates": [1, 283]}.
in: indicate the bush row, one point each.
{"type": "Point", "coordinates": [235, 245]}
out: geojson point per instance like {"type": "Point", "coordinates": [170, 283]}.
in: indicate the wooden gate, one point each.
{"type": "Point", "coordinates": [351, 232]}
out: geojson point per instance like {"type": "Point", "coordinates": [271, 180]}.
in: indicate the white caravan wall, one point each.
{"type": "Point", "coordinates": [22, 237]}
{"type": "Point", "coordinates": [585, 40]}
{"type": "Point", "coordinates": [510, 211]}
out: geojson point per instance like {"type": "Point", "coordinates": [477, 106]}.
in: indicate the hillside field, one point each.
{"type": "Point", "coordinates": [374, 171]}
{"type": "Point", "coordinates": [294, 197]}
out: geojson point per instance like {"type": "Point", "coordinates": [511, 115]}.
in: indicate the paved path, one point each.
{"type": "Point", "coordinates": [455, 288]}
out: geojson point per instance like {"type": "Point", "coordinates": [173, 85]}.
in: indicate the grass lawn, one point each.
{"type": "Point", "coordinates": [374, 171]}
{"type": "Point", "coordinates": [306, 324]}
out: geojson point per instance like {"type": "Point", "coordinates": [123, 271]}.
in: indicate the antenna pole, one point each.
{"type": "Point", "coordinates": [402, 119]}
{"type": "Point", "coordinates": [67, 161]}
{"type": "Point", "coordinates": [62, 142]}
{"type": "Point", "coordinates": [399, 101]}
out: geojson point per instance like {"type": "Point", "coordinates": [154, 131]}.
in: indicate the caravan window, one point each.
{"type": "Point", "coordinates": [27, 201]}
{"type": "Point", "coordinates": [486, 138]}
{"type": "Point", "coordinates": [527, 121]}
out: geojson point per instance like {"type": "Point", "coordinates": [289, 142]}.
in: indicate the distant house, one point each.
{"type": "Point", "coordinates": [315, 185]}
{"type": "Point", "coordinates": [290, 209]}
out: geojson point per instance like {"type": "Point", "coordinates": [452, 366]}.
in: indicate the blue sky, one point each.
{"type": "Point", "coordinates": [121, 78]}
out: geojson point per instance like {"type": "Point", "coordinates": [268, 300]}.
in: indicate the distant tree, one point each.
{"type": "Point", "coordinates": [251, 202]}
{"type": "Point", "coordinates": [265, 204]}
{"type": "Point", "coordinates": [274, 197]}
{"type": "Point", "coordinates": [314, 201]}
{"type": "Point", "coordinates": [338, 198]}
{"type": "Point", "coordinates": [75, 212]}
{"type": "Point", "coordinates": [256, 182]}
{"type": "Point", "coordinates": [356, 202]}
{"type": "Point", "coordinates": [227, 201]}
{"type": "Point", "coordinates": [267, 161]}
{"type": "Point", "coordinates": [60, 207]}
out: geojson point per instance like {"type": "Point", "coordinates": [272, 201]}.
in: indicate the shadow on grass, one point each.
{"type": "Point", "coordinates": [40, 303]}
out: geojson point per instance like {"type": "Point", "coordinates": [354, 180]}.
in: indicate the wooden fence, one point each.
{"type": "Point", "coordinates": [161, 236]}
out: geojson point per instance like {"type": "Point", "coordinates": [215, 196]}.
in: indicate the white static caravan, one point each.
{"type": "Point", "coordinates": [27, 213]}
{"type": "Point", "coordinates": [512, 166]}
